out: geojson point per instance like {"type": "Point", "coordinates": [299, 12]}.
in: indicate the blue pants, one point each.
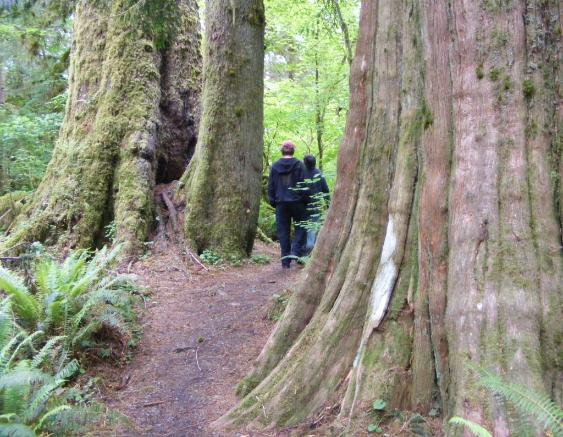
{"type": "Point", "coordinates": [286, 212]}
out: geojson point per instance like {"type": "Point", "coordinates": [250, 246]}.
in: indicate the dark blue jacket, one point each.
{"type": "Point", "coordinates": [286, 176]}
{"type": "Point", "coordinates": [316, 183]}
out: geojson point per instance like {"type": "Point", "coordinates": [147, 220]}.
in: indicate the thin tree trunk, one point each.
{"type": "Point", "coordinates": [131, 109]}
{"type": "Point", "coordinates": [345, 32]}
{"type": "Point", "coordinates": [222, 183]}
{"type": "Point", "coordinates": [442, 244]}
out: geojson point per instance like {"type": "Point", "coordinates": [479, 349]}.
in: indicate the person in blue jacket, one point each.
{"type": "Point", "coordinates": [287, 194]}
{"type": "Point", "coordinates": [318, 197]}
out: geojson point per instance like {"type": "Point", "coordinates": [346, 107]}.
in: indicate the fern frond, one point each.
{"type": "Point", "coordinates": [50, 415]}
{"type": "Point", "coordinates": [39, 400]}
{"type": "Point", "coordinates": [7, 350]}
{"type": "Point", "coordinates": [27, 341]}
{"type": "Point", "coordinates": [6, 327]}
{"type": "Point", "coordinates": [16, 430]}
{"type": "Point", "coordinates": [64, 421]}
{"type": "Point", "coordinates": [23, 302]}
{"type": "Point", "coordinates": [8, 417]}
{"type": "Point", "coordinates": [46, 351]}
{"type": "Point", "coordinates": [23, 377]}
{"type": "Point", "coordinates": [475, 428]}
{"type": "Point", "coordinates": [535, 405]}
{"type": "Point", "coordinates": [67, 371]}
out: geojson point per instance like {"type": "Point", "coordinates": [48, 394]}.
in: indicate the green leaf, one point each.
{"type": "Point", "coordinates": [374, 428]}
{"type": "Point", "coordinates": [379, 405]}
{"type": "Point", "coordinates": [475, 428]}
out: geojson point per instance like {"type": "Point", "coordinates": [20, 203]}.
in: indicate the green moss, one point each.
{"type": "Point", "coordinates": [479, 72]}
{"type": "Point", "coordinates": [494, 74]}
{"type": "Point", "coordinates": [246, 386]}
{"type": "Point", "coordinates": [528, 88]}
{"type": "Point", "coordinates": [506, 83]}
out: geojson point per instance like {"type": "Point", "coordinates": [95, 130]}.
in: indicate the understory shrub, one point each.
{"type": "Point", "coordinates": [50, 317]}
{"type": "Point", "coordinates": [78, 299]}
{"type": "Point", "coordinates": [33, 399]}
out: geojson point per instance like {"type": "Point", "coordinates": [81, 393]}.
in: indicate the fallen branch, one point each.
{"type": "Point", "coordinates": [171, 211]}
{"type": "Point", "coordinates": [152, 404]}
{"type": "Point", "coordinates": [196, 259]}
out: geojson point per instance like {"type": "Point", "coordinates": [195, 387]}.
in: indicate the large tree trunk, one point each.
{"type": "Point", "coordinates": [130, 118]}
{"type": "Point", "coordinates": [442, 243]}
{"type": "Point", "coordinates": [222, 183]}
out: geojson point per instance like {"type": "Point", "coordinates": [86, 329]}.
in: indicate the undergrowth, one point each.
{"type": "Point", "coordinates": [54, 317]}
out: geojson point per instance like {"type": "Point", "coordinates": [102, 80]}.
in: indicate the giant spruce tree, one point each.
{"type": "Point", "coordinates": [130, 122]}
{"type": "Point", "coordinates": [222, 183]}
{"type": "Point", "coordinates": [442, 245]}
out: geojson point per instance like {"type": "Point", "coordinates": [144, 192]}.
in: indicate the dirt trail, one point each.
{"type": "Point", "coordinates": [202, 330]}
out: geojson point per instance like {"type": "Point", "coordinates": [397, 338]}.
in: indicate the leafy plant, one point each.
{"type": "Point", "coordinates": [260, 259]}
{"type": "Point", "coordinates": [32, 398]}
{"type": "Point", "coordinates": [530, 404]}
{"type": "Point", "coordinates": [475, 428]}
{"type": "Point", "coordinates": [212, 258]}
{"type": "Point", "coordinates": [76, 299]}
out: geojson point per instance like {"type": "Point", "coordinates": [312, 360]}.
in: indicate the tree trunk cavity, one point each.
{"type": "Point", "coordinates": [442, 243]}
{"type": "Point", "coordinates": [222, 183]}
{"type": "Point", "coordinates": [130, 121]}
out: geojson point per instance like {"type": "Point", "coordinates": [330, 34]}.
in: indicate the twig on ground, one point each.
{"type": "Point", "coordinates": [152, 404]}
{"type": "Point", "coordinates": [196, 259]}
{"type": "Point", "coordinates": [196, 360]}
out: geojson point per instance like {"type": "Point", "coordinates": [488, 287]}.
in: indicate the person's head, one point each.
{"type": "Point", "coordinates": [287, 148]}
{"type": "Point", "coordinates": [310, 162]}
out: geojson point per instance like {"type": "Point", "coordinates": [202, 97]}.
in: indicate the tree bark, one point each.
{"type": "Point", "coordinates": [130, 121]}
{"type": "Point", "coordinates": [442, 245]}
{"type": "Point", "coordinates": [222, 183]}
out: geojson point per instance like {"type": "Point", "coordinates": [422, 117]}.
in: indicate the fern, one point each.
{"type": "Point", "coordinates": [528, 402]}
{"type": "Point", "coordinates": [16, 430]}
{"type": "Point", "coordinates": [46, 351]}
{"type": "Point", "coordinates": [23, 302]}
{"type": "Point", "coordinates": [475, 428]}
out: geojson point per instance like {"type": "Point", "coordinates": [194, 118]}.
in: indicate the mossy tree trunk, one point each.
{"type": "Point", "coordinates": [442, 243]}
{"type": "Point", "coordinates": [130, 121]}
{"type": "Point", "coordinates": [222, 183]}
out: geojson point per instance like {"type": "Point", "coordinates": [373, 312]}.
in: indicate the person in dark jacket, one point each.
{"type": "Point", "coordinates": [318, 197]}
{"type": "Point", "coordinates": [287, 195]}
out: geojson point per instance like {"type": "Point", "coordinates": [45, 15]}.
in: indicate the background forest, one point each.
{"type": "Point", "coordinates": [308, 54]}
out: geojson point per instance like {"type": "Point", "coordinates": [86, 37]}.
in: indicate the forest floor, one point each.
{"type": "Point", "coordinates": [202, 331]}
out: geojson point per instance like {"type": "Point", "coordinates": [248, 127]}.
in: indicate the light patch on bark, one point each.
{"type": "Point", "coordinates": [385, 278]}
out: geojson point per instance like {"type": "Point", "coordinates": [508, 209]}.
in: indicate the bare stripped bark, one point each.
{"type": "Point", "coordinates": [442, 244]}
{"type": "Point", "coordinates": [130, 121]}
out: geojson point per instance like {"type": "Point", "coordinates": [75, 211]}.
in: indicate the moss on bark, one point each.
{"type": "Point", "coordinates": [104, 164]}
{"type": "Point", "coordinates": [222, 183]}
{"type": "Point", "coordinates": [471, 258]}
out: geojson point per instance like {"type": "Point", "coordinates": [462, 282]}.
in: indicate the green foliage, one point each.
{"type": "Point", "coordinates": [372, 427]}
{"type": "Point", "coordinates": [33, 399]}
{"type": "Point", "coordinates": [379, 405]}
{"type": "Point", "coordinates": [212, 258]}
{"type": "Point", "coordinates": [279, 303]}
{"type": "Point", "coordinates": [306, 77]}
{"type": "Point", "coordinates": [494, 74]}
{"type": "Point", "coordinates": [528, 88]}
{"type": "Point", "coordinates": [27, 142]}
{"type": "Point", "coordinates": [34, 50]}
{"type": "Point", "coordinates": [475, 428]}
{"type": "Point", "coordinates": [532, 406]}
{"type": "Point", "coordinates": [77, 299]}
{"type": "Point", "coordinates": [537, 407]}
{"type": "Point", "coordinates": [260, 259]}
